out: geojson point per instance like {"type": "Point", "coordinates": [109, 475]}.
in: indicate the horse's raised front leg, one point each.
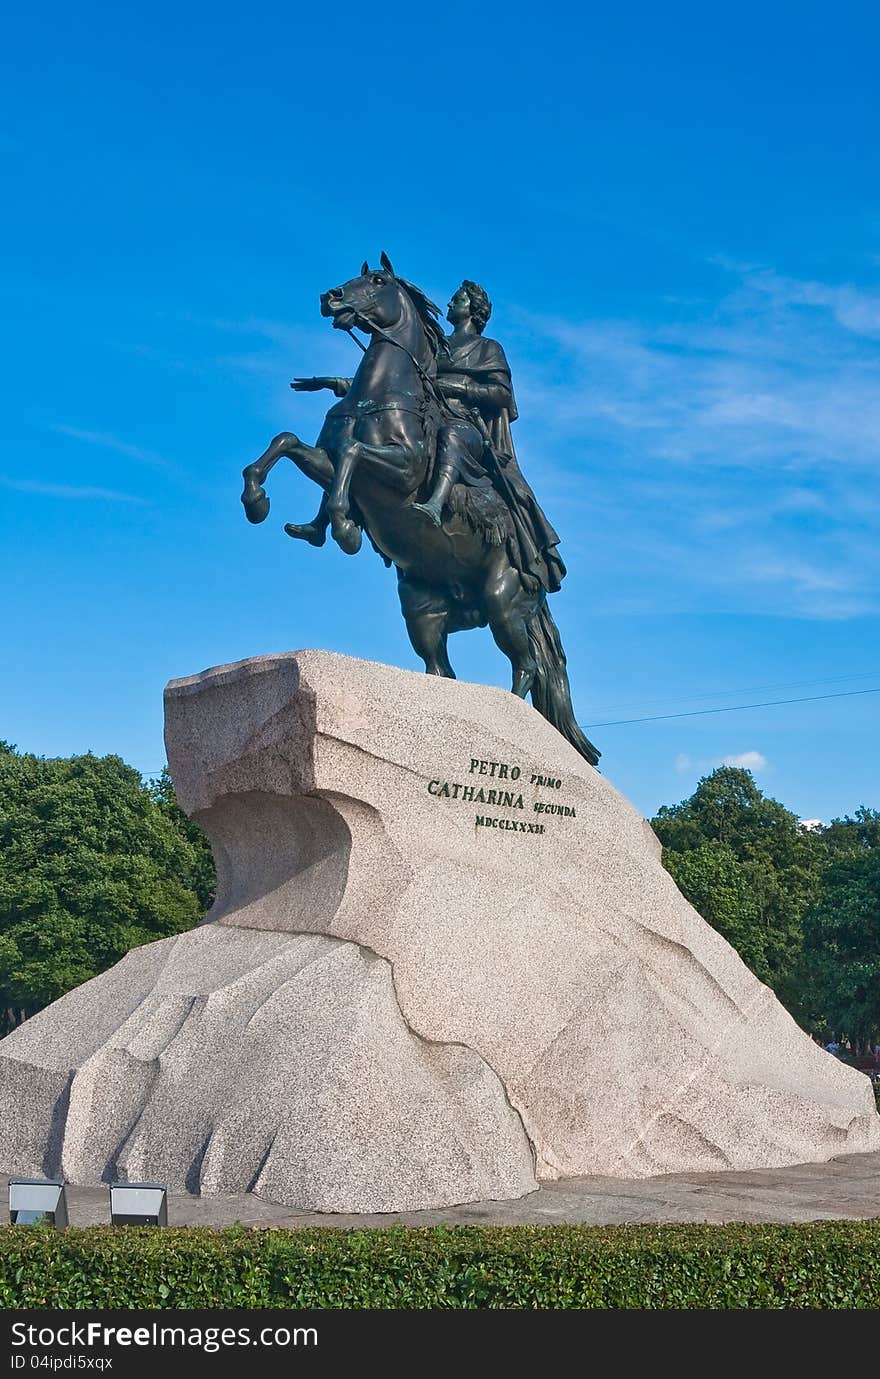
{"type": "Point", "coordinates": [346, 533]}
{"type": "Point", "coordinates": [393, 463]}
{"type": "Point", "coordinates": [314, 463]}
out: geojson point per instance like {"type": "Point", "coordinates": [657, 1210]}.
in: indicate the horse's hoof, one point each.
{"type": "Point", "coordinates": [347, 536]}
{"type": "Point", "coordinates": [256, 505]}
{"type": "Point", "coordinates": [307, 531]}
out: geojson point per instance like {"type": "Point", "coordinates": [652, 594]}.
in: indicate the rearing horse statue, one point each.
{"type": "Point", "coordinates": [374, 459]}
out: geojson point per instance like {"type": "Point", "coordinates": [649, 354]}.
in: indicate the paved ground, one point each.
{"type": "Point", "coordinates": [847, 1188]}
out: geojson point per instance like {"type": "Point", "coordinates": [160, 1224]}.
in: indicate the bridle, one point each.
{"type": "Point", "coordinates": [372, 329]}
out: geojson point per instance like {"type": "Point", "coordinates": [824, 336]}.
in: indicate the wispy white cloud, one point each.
{"type": "Point", "coordinates": [273, 341]}
{"type": "Point", "coordinates": [110, 442]}
{"type": "Point", "coordinates": [737, 390]}
{"type": "Point", "coordinates": [275, 332]}
{"type": "Point", "coordinates": [726, 457]}
{"type": "Point", "coordinates": [70, 491]}
{"type": "Point", "coordinates": [852, 307]}
{"type": "Point", "coordinates": [749, 761]}
{"type": "Point", "coordinates": [267, 351]}
{"type": "Point", "coordinates": [799, 574]}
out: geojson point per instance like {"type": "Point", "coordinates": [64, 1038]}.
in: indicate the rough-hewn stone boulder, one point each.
{"type": "Point", "coordinates": [445, 962]}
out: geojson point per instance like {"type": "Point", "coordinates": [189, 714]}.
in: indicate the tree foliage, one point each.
{"type": "Point", "coordinates": [92, 863]}
{"type": "Point", "coordinates": [855, 834]}
{"type": "Point", "coordinates": [204, 877]}
{"type": "Point", "coordinates": [748, 865]}
{"type": "Point", "coordinates": [839, 977]}
{"type": "Point", "coordinates": [800, 905]}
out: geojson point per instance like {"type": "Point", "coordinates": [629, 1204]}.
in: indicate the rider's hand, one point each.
{"type": "Point", "coordinates": [313, 385]}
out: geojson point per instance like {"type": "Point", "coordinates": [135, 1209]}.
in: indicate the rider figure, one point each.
{"type": "Point", "coordinates": [473, 376]}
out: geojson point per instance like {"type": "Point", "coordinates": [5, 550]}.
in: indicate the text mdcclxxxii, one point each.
{"type": "Point", "coordinates": [501, 797]}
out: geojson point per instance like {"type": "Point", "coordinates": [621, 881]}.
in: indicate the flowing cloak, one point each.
{"type": "Point", "coordinates": [482, 365]}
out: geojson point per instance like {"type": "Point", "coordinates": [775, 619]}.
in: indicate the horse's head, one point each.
{"type": "Point", "coordinates": [376, 298]}
{"type": "Point", "coordinates": [380, 301]}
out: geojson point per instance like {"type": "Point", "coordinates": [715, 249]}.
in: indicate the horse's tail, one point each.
{"type": "Point", "coordinates": [551, 692]}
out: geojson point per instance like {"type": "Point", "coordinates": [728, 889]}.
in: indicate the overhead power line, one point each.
{"type": "Point", "coordinates": [700, 713]}
{"type": "Point", "coordinates": [747, 689]}
{"type": "Point", "coordinates": [732, 708]}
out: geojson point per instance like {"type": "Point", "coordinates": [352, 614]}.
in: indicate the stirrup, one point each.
{"type": "Point", "coordinates": [436, 518]}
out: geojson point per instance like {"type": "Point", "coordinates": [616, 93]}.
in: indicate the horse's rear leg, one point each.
{"type": "Point", "coordinates": [315, 532]}
{"type": "Point", "coordinates": [426, 612]}
{"type": "Point", "coordinates": [509, 609]}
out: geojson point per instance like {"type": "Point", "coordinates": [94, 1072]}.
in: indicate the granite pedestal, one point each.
{"type": "Point", "coordinates": [445, 965]}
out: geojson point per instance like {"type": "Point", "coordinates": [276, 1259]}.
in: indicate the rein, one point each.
{"type": "Point", "coordinates": [429, 383]}
{"type": "Point", "coordinates": [431, 387]}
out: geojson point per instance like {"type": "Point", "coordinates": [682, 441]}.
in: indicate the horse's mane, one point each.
{"type": "Point", "coordinates": [428, 313]}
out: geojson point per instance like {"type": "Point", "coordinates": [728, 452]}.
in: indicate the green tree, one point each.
{"type": "Point", "coordinates": [857, 833]}
{"type": "Point", "coordinates": [204, 876]}
{"type": "Point", "coordinates": [839, 977]}
{"type": "Point", "coordinates": [91, 865]}
{"type": "Point", "coordinates": [719, 887]}
{"type": "Point", "coordinates": [748, 865]}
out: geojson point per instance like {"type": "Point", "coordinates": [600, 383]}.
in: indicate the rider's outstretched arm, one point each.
{"type": "Point", "coordinates": [339, 386]}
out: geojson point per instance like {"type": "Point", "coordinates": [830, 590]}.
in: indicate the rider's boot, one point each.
{"type": "Point", "coordinates": [446, 477]}
{"type": "Point", "coordinates": [315, 532]}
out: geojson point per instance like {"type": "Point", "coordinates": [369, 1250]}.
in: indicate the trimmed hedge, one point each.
{"type": "Point", "coordinates": [821, 1265]}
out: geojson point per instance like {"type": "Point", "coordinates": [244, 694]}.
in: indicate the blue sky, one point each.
{"type": "Point", "coordinates": [675, 210]}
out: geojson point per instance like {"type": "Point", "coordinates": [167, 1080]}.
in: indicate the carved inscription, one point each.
{"type": "Point", "coordinates": [514, 794]}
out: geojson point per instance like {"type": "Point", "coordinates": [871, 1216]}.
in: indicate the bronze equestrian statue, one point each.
{"type": "Point", "coordinates": [417, 452]}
